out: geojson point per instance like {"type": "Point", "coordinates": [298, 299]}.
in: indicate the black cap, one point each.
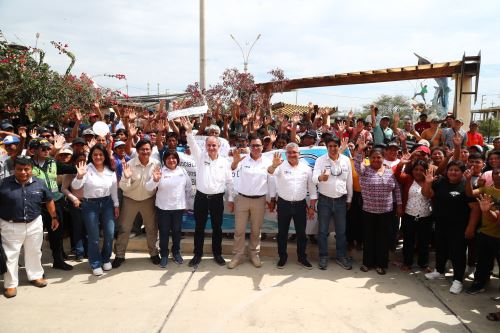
{"type": "Point", "coordinates": [78, 140]}
{"type": "Point", "coordinates": [6, 125]}
{"type": "Point", "coordinates": [311, 134]}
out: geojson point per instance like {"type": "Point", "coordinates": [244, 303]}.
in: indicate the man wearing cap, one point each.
{"type": "Point", "coordinates": [473, 136]}
{"type": "Point", "coordinates": [449, 133]}
{"type": "Point", "coordinates": [88, 134]}
{"type": "Point", "coordinates": [309, 138]}
{"type": "Point", "coordinates": [21, 223]}
{"type": "Point", "coordinates": [78, 145]}
{"type": "Point", "coordinates": [423, 124]}
{"type": "Point", "coordinates": [120, 157]}
{"type": "Point", "coordinates": [47, 169]}
{"type": "Point", "coordinates": [382, 133]}
{"type": "Point", "coordinates": [433, 134]}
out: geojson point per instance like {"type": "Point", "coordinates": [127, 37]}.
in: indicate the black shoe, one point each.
{"type": "Point", "coordinates": [195, 261]}
{"type": "Point", "coordinates": [281, 263]}
{"type": "Point", "coordinates": [117, 262]}
{"type": "Point", "coordinates": [60, 264]}
{"type": "Point", "coordinates": [263, 236]}
{"type": "Point", "coordinates": [155, 259]}
{"type": "Point", "coordinates": [475, 288]}
{"type": "Point", "coordinates": [219, 260]}
{"type": "Point", "coordinates": [64, 256]}
{"type": "Point", "coordinates": [305, 263]}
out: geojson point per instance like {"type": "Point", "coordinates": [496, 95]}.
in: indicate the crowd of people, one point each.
{"type": "Point", "coordinates": [431, 184]}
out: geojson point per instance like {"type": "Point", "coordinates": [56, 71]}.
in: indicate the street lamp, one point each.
{"type": "Point", "coordinates": [245, 57]}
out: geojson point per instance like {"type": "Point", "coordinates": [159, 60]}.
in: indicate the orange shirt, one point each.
{"type": "Point", "coordinates": [474, 139]}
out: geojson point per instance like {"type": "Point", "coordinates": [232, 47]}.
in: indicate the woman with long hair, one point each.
{"type": "Point", "coordinates": [99, 205]}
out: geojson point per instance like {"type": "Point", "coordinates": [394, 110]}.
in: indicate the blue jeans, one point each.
{"type": "Point", "coordinates": [169, 221]}
{"type": "Point", "coordinates": [79, 233]}
{"type": "Point", "coordinates": [95, 211]}
{"type": "Point", "coordinates": [328, 207]}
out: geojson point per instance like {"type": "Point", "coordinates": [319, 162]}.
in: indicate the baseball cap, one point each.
{"type": "Point", "coordinates": [460, 120]}
{"type": "Point", "coordinates": [9, 139]}
{"type": "Point", "coordinates": [78, 141]}
{"type": "Point", "coordinates": [423, 148]}
{"type": "Point", "coordinates": [66, 150]}
{"type": "Point", "coordinates": [386, 117]}
{"type": "Point", "coordinates": [311, 134]}
{"type": "Point", "coordinates": [393, 144]}
{"type": "Point", "coordinates": [88, 131]}
{"type": "Point", "coordinates": [6, 126]}
{"type": "Point", "coordinates": [118, 144]}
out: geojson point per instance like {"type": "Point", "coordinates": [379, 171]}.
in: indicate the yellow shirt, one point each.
{"type": "Point", "coordinates": [488, 227]}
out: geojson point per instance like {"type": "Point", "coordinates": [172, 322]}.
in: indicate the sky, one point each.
{"type": "Point", "coordinates": [158, 41]}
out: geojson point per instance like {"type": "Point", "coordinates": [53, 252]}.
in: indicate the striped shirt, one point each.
{"type": "Point", "coordinates": [377, 190]}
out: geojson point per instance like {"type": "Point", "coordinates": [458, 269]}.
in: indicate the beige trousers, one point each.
{"type": "Point", "coordinates": [245, 209]}
{"type": "Point", "coordinates": [129, 210]}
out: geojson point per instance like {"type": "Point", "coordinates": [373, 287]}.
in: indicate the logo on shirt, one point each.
{"type": "Point", "coordinates": [207, 163]}
{"type": "Point", "coordinates": [454, 193]}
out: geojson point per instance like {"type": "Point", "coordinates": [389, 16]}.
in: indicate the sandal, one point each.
{"type": "Point", "coordinates": [364, 268]}
{"type": "Point", "coordinates": [380, 271]}
{"type": "Point", "coordinates": [493, 316]}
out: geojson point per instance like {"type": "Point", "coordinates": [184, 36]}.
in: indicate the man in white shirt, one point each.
{"type": "Point", "coordinates": [253, 186]}
{"type": "Point", "coordinates": [213, 178]}
{"type": "Point", "coordinates": [137, 199]}
{"type": "Point", "coordinates": [293, 181]}
{"type": "Point", "coordinates": [333, 174]}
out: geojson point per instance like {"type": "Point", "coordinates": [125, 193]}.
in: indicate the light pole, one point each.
{"type": "Point", "coordinates": [202, 44]}
{"type": "Point", "coordinates": [245, 57]}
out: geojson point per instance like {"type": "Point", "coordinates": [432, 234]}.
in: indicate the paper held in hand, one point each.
{"type": "Point", "coordinates": [192, 111]}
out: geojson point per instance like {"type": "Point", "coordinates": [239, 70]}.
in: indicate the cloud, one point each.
{"type": "Point", "coordinates": [157, 41]}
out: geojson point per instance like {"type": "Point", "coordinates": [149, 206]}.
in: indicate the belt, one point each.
{"type": "Point", "coordinates": [252, 196]}
{"type": "Point", "coordinates": [330, 198]}
{"type": "Point", "coordinates": [95, 199]}
{"type": "Point", "coordinates": [208, 196]}
{"type": "Point", "coordinates": [292, 202]}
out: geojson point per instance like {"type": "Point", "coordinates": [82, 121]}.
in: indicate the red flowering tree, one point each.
{"type": "Point", "coordinates": [236, 85]}
{"type": "Point", "coordinates": [35, 92]}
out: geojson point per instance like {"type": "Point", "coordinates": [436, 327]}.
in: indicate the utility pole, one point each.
{"type": "Point", "coordinates": [202, 44]}
{"type": "Point", "coordinates": [148, 88]}
{"type": "Point", "coordinates": [158, 89]}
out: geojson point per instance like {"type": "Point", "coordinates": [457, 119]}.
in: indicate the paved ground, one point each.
{"type": "Point", "coordinates": [140, 297]}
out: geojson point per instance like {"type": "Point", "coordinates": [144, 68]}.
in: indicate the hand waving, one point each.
{"type": "Point", "coordinates": [156, 174]}
{"type": "Point", "coordinates": [81, 170]}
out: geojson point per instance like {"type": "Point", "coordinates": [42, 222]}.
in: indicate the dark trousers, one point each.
{"type": "Point", "coordinates": [286, 211]}
{"type": "Point", "coordinates": [488, 249]}
{"type": "Point", "coordinates": [451, 244]}
{"type": "Point", "coordinates": [471, 251]}
{"type": "Point", "coordinates": [55, 236]}
{"type": "Point", "coordinates": [375, 241]}
{"type": "Point", "coordinates": [212, 204]}
{"type": "Point", "coordinates": [393, 230]}
{"type": "Point", "coordinates": [354, 227]}
{"type": "Point", "coordinates": [169, 222]}
{"type": "Point", "coordinates": [416, 231]}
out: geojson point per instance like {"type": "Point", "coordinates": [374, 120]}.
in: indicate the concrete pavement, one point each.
{"type": "Point", "coordinates": [141, 297]}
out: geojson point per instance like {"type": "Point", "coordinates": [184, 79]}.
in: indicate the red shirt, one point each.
{"type": "Point", "coordinates": [474, 139]}
{"type": "Point", "coordinates": [421, 126]}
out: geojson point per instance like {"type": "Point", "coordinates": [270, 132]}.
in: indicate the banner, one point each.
{"type": "Point", "coordinates": [270, 224]}
{"type": "Point", "coordinates": [192, 111]}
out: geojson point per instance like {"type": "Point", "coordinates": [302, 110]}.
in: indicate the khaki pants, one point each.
{"type": "Point", "coordinates": [128, 213]}
{"type": "Point", "coordinates": [245, 208]}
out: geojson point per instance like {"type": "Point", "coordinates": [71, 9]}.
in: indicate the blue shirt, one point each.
{"type": "Point", "coordinates": [23, 203]}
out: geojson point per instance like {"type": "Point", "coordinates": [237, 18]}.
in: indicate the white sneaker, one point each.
{"type": "Point", "coordinates": [456, 287]}
{"type": "Point", "coordinates": [132, 235]}
{"type": "Point", "coordinates": [97, 271]}
{"type": "Point", "coordinates": [469, 273]}
{"type": "Point", "coordinates": [434, 275]}
{"type": "Point", "coordinates": [107, 266]}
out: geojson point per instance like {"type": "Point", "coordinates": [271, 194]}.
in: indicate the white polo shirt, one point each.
{"type": "Point", "coordinates": [253, 178]}
{"type": "Point", "coordinates": [212, 176]}
{"type": "Point", "coordinates": [174, 187]}
{"type": "Point", "coordinates": [293, 183]}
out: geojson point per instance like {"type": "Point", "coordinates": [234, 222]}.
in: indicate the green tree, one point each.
{"type": "Point", "coordinates": [388, 105]}
{"type": "Point", "coordinates": [489, 127]}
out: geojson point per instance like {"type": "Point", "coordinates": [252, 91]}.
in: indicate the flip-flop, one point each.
{"type": "Point", "coordinates": [380, 271]}
{"type": "Point", "coordinates": [493, 316]}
